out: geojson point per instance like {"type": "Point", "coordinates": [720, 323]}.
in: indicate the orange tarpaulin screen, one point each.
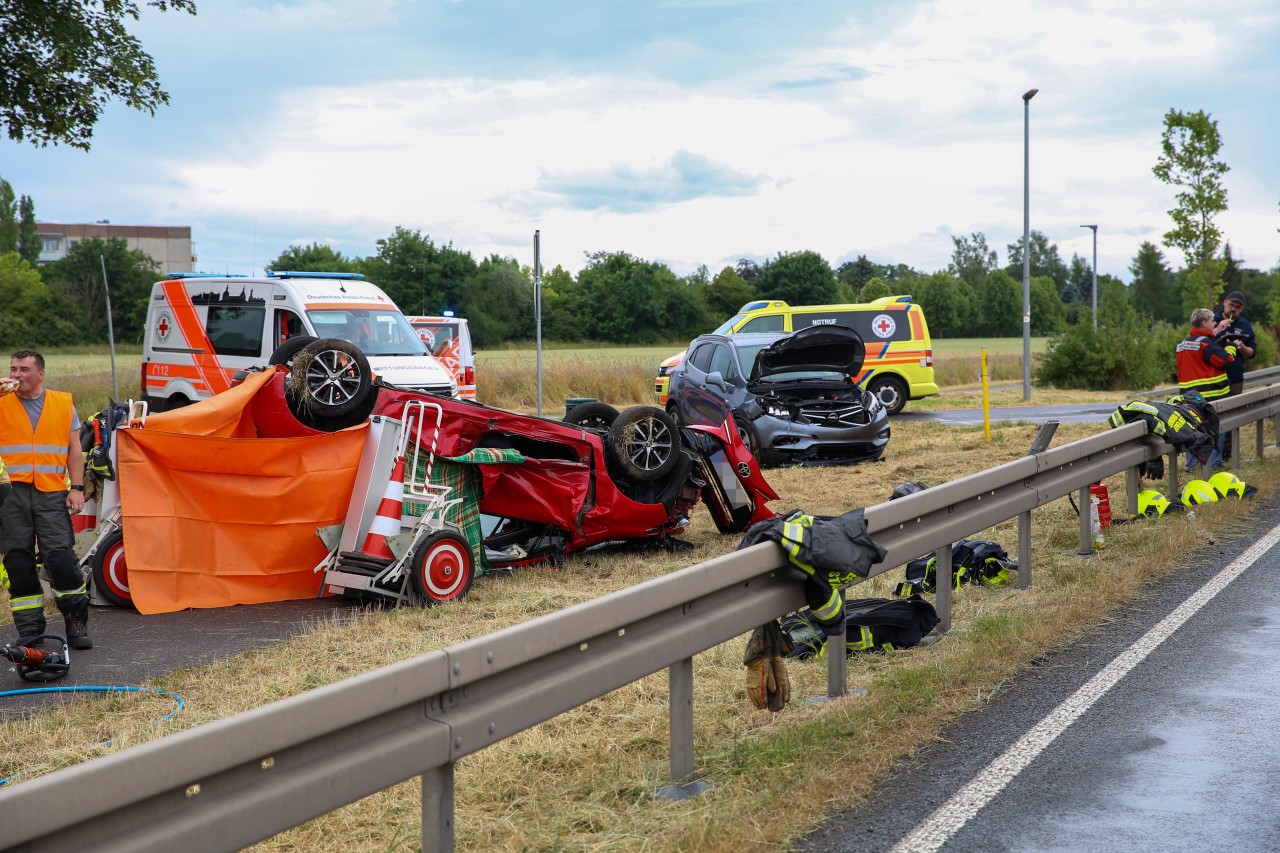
{"type": "Point", "coordinates": [224, 517]}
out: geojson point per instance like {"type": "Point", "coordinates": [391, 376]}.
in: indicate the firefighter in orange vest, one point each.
{"type": "Point", "coordinates": [40, 443]}
{"type": "Point", "coordinates": [1202, 367]}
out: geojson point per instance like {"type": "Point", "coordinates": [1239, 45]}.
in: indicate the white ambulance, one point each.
{"type": "Point", "coordinates": [202, 328]}
{"type": "Point", "coordinates": [449, 340]}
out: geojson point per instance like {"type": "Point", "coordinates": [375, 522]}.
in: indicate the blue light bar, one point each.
{"type": "Point", "coordinates": [345, 276]}
{"type": "Point", "coordinates": [448, 313]}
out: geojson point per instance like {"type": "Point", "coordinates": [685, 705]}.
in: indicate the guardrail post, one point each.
{"type": "Point", "coordinates": [1132, 485]}
{"type": "Point", "coordinates": [837, 662]}
{"type": "Point", "coordinates": [1233, 464]}
{"type": "Point", "coordinates": [1024, 550]}
{"type": "Point", "coordinates": [942, 585]}
{"type": "Point", "coordinates": [1086, 526]}
{"type": "Point", "coordinates": [437, 809]}
{"type": "Point", "coordinates": [680, 688]}
{"type": "Point", "coordinates": [1261, 423]}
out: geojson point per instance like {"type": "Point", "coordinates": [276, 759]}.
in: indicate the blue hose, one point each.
{"type": "Point", "coordinates": [94, 688]}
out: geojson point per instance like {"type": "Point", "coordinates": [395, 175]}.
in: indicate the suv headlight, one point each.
{"type": "Point", "coordinates": [873, 403]}
{"type": "Point", "coordinates": [775, 409]}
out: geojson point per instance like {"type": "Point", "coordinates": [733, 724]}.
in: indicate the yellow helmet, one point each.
{"type": "Point", "coordinates": [1152, 504]}
{"type": "Point", "coordinates": [1198, 492]}
{"type": "Point", "coordinates": [1225, 484]}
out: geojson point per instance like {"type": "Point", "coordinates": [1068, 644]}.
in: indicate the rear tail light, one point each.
{"type": "Point", "coordinates": [468, 376]}
{"type": "Point", "coordinates": [927, 361]}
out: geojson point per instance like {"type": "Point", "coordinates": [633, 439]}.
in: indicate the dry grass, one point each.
{"type": "Point", "coordinates": [586, 780]}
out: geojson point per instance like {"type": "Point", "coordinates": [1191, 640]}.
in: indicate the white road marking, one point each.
{"type": "Point", "coordinates": [937, 829]}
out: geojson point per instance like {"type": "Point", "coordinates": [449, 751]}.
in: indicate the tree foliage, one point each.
{"type": "Point", "coordinates": [1189, 160]}
{"type": "Point", "coordinates": [727, 293]}
{"type": "Point", "coordinates": [1045, 260]}
{"type": "Point", "coordinates": [855, 274]}
{"type": "Point", "coordinates": [316, 257]}
{"type": "Point", "coordinates": [77, 278]}
{"type": "Point", "coordinates": [1047, 313]}
{"type": "Point", "coordinates": [8, 218]}
{"type": "Point", "coordinates": [418, 275]}
{"type": "Point", "coordinates": [797, 278]}
{"type": "Point", "coordinates": [948, 304]}
{"type": "Point", "coordinates": [1000, 306]}
{"type": "Point", "coordinates": [972, 259]}
{"type": "Point", "coordinates": [62, 61]}
{"type": "Point", "coordinates": [498, 302]}
{"type": "Point", "coordinates": [28, 231]}
{"type": "Point", "coordinates": [1152, 284]}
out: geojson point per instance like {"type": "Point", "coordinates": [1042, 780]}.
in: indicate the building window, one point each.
{"type": "Point", "coordinates": [51, 244]}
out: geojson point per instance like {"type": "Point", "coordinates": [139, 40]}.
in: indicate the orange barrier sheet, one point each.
{"type": "Point", "coordinates": [215, 516]}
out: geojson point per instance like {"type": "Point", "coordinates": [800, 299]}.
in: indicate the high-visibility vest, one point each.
{"type": "Point", "coordinates": [37, 456]}
{"type": "Point", "coordinates": [1202, 367]}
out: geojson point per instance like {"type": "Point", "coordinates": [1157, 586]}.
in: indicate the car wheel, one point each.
{"type": "Point", "coordinates": [329, 378]}
{"type": "Point", "coordinates": [891, 391]}
{"type": "Point", "coordinates": [746, 433]}
{"type": "Point", "coordinates": [645, 443]}
{"type": "Point", "coordinates": [441, 568]}
{"type": "Point", "coordinates": [592, 416]}
{"type": "Point", "coordinates": [110, 571]}
{"type": "Point", "coordinates": [287, 350]}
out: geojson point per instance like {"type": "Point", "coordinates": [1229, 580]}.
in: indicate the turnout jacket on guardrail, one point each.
{"type": "Point", "coordinates": [1186, 421]}
{"type": "Point", "coordinates": [831, 551]}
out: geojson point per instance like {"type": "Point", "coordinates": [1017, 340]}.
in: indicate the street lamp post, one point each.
{"type": "Point", "coordinates": [1026, 243]}
{"type": "Point", "coordinates": [1094, 291]}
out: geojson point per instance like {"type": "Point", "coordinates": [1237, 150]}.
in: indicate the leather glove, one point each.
{"type": "Point", "coordinates": [779, 684]}
{"type": "Point", "coordinates": [759, 674]}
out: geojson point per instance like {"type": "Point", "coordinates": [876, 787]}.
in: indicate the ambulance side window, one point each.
{"type": "Point", "coordinates": [767, 323]}
{"type": "Point", "coordinates": [236, 330]}
{"type": "Point", "coordinates": [287, 325]}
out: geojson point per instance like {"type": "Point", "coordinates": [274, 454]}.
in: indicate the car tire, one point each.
{"type": "Point", "coordinates": [747, 433]}
{"type": "Point", "coordinates": [644, 442]}
{"type": "Point", "coordinates": [287, 350]}
{"type": "Point", "coordinates": [329, 378]}
{"type": "Point", "coordinates": [441, 568]}
{"type": "Point", "coordinates": [891, 391]}
{"type": "Point", "coordinates": [110, 572]}
{"type": "Point", "coordinates": [592, 416]}
{"type": "Point", "coordinates": [659, 491]}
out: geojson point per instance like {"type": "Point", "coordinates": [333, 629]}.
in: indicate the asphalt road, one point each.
{"type": "Point", "coordinates": [1177, 753]}
{"type": "Point", "coordinates": [130, 648]}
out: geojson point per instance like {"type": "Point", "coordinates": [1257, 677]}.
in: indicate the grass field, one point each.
{"type": "Point", "coordinates": [587, 779]}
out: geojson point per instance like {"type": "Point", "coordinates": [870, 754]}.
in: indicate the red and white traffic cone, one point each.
{"type": "Point", "coordinates": [386, 522]}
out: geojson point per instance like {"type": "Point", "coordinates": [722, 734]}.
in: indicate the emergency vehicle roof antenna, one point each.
{"type": "Point", "coordinates": [111, 335]}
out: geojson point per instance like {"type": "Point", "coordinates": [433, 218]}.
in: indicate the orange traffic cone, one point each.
{"type": "Point", "coordinates": [386, 522]}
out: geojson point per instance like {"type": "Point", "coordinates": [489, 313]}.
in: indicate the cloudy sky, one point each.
{"type": "Point", "coordinates": [685, 131]}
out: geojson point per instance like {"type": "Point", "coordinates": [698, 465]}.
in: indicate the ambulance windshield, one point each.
{"type": "Point", "coordinates": [377, 331]}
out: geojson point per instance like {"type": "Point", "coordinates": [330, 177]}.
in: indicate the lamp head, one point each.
{"type": "Point", "coordinates": [1029, 94]}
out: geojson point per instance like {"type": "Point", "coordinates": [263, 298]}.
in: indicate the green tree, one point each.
{"type": "Point", "coordinates": [797, 278]}
{"type": "Point", "coordinates": [876, 288]}
{"type": "Point", "coordinates": [949, 304]}
{"type": "Point", "coordinates": [130, 273]}
{"type": "Point", "coordinates": [31, 315]}
{"type": "Point", "coordinates": [1047, 313]}
{"type": "Point", "coordinates": [62, 62]}
{"type": "Point", "coordinates": [558, 292]}
{"type": "Point", "coordinates": [316, 257]}
{"type": "Point", "coordinates": [1189, 160]}
{"type": "Point", "coordinates": [623, 299]}
{"type": "Point", "coordinates": [1079, 281]}
{"type": "Point", "coordinates": [856, 274]}
{"type": "Point", "coordinates": [1000, 306]}
{"type": "Point", "coordinates": [1045, 260]}
{"type": "Point", "coordinates": [899, 276]}
{"type": "Point", "coordinates": [1152, 282]}
{"type": "Point", "coordinates": [726, 294]}
{"type": "Point", "coordinates": [28, 231]}
{"type": "Point", "coordinates": [498, 302]}
{"type": "Point", "coordinates": [747, 269]}
{"type": "Point", "coordinates": [8, 218]}
{"type": "Point", "coordinates": [419, 276]}
{"type": "Point", "coordinates": [972, 259]}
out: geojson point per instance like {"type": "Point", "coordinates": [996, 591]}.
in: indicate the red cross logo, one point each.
{"type": "Point", "coordinates": [163, 327]}
{"type": "Point", "coordinates": [883, 326]}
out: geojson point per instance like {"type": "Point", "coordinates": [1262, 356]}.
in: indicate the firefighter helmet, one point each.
{"type": "Point", "coordinates": [1198, 492]}
{"type": "Point", "coordinates": [1152, 504]}
{"type": "Point", "coordinates": [1225, 484]}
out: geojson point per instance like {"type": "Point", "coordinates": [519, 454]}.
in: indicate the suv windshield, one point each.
{"type": "Point", "coordinates": [377, 331]}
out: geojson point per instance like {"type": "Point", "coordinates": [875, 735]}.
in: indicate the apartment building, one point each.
{"type": "Point", "coordinates": [170, 245]}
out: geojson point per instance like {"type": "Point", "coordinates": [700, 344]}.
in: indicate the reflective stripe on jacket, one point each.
{"type": "Point", "coordinates": [1201, 366]}
{"type": "Point", "coordinates": [37, 456]}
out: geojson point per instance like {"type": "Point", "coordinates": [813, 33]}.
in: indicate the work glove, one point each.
{"type": "Point", "coordinates": [768, 685]}
{"type": "Point", "coordinates": [1231, 350]}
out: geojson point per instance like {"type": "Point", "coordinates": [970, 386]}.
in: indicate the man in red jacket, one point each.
{"type": "Point", "coordinates": [1202, 367]}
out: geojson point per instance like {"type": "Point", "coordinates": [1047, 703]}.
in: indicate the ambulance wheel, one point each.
{"type": "Point", "coordinates": [592, 416]}
{"type": "Point", "coordinates": [287, 350]}
{"type": "Point", "coordinates": [441, 568]}
{"type": "Point", "coordinates": [644, 443]}
{"type": "Point", "coordinates": [891, 391]}
{"type": "Point", "coordinates": [330, 378]}
{"type": "Point", "coordinates": [111, 572]}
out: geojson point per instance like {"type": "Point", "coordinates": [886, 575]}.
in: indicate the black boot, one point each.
{"type": "Point", "coordinates": [75, 611]}
{"type": "Point", "coordinates": [30, 624]}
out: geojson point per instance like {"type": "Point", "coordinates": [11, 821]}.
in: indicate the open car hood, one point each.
{"type": "Point", "coordinates": [837, 349]}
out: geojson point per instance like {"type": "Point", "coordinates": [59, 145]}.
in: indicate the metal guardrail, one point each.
{"type": "Point", "coordinates": [227, 784]}
{"type": "Point", "coordinates": [1252, 379]}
